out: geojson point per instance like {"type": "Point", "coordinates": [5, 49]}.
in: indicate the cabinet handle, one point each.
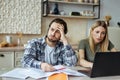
{"type": "Point", "coordinates": [2, 55]}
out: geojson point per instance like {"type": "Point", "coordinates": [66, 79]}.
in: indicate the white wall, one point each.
{"type": "Point", "coordinates": [111, 7]}
{"type": "Point", "coordinates": [108, 7]}
{"type": "Point", "coordinates": [113, 33]}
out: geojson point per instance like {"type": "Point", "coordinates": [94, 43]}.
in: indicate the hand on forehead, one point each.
{"type": "Point", "coordinates": [60, 26]}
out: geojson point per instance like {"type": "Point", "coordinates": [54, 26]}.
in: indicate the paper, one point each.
{"type": "Point", "coordinates": [15, 74]}
{"type": "Point", "coordinates": [67, 71]}
{"type": "Point", "coordinates": [59, 67]}
{"type": "Point", "coordinates": [72, 72]}
{"type": "Point", "coordinates": [23, 73]}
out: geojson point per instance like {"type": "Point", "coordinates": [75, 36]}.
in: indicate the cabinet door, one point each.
{"type": "Point", "coordinates": [18, 57]}
{"type": "Point", "coordinates": [6, 60]}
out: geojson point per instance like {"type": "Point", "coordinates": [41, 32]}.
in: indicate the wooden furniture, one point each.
{"type": "Point", "coordinates": [10, 57]}
{"type": "Point", "coordinates": [6, 59]}
{"type": "Point", "coordinates": [66, 5]}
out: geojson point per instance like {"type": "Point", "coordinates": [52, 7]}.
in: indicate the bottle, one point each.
{"type": "Point", "coordinates": [81, 1]}
{"type": "Point", "coordinates": [56, 10]}
{"type": "Point", "coordinates": [96, 1]}
{"type": "Point", "coordinates": [19, 43]}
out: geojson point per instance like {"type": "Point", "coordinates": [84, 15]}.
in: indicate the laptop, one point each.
{"type": "Point", "coordinates": [105, 64]}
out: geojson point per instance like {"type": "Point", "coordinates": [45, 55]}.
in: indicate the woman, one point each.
{"type": "Point", "coordinates": [97, 42]}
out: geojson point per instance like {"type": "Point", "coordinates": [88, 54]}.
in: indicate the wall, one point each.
{"type": "Point", "coordinates": [111, 7]}
{"type": "Point", "coordinates": [76, 30]}
{"type": "Point", "coordinates": [114, 36]}
{"type": "Point", "coordinates": [77, 27]}
{"type": "Point", "coordinates": [20, 16]}
{"type": "Point", "coordinates": [108, 7]}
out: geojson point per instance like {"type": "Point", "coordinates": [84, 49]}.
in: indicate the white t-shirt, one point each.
{"type": "Point", "coordinates": [49, 51]}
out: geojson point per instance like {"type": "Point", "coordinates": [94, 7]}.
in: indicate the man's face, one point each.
{"type": "Point", "coordinates": [53, 32]}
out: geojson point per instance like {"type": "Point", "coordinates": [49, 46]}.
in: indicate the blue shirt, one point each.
{"type": "Point", "coordinates": [34, 54]}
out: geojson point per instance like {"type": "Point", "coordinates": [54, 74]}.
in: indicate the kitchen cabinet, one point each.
{"type": "Point", "coordinates": [66, 8]}
{"type": "Point", "coordinates": [6, 60]}
{"type": "Point", "coordinates": [10, 57]}
{"type": "Point", "coordinates": [18, 56]}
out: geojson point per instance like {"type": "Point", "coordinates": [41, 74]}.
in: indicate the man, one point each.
{"type": "Point", "coordinates": [52, 49]}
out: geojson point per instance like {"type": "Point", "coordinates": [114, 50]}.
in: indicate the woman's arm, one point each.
{"type": "Point", "coordinates": [82, 60]}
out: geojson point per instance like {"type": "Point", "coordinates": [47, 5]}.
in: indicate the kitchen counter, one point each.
{"type": "Point", "coordinates": [7, 49]}
{"type": "Point", "coordinates": [12, 56]}
{"type": "Point", "coordinates": [21, 48]}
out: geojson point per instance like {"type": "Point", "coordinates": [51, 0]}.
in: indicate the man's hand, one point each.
{"type": "Point", "coordinates": [63, 37]}
{"type": "Point", "coordinates": [47, 67]}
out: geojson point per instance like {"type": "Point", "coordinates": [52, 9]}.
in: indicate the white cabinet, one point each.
{"type": "Point", "coordinates": [6, 60]}
{"type": "Point", "coordinates": [18, 56]}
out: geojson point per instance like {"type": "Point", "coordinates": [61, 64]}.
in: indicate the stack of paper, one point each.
{"type": "Point", "coordinates": [24, 73]}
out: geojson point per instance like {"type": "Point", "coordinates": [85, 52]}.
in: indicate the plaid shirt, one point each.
{"type": "Point", "coordinates": [35, 54]}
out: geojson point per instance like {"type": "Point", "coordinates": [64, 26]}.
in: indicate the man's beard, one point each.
{"type": "Point", "coordinates": [51, 40]}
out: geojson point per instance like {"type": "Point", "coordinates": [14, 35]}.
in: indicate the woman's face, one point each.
{"type": "Point", "coordinates": [98, 34]}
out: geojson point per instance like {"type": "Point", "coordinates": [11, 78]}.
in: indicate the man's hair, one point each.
{"type": "Point", "coordinates": [60, 21]}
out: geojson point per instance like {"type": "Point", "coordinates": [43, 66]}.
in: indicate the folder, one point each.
{"type": "Point", "coordinates": [58, 76]}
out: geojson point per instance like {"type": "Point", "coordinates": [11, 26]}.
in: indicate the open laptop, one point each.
{"type": "Point", "coordinates": [105, 64]}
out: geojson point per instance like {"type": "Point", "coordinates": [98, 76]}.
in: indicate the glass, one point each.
{"type": "Point", "coordinates": [19, 40]}
{"type": "Point", "coordinates": [19, 43]}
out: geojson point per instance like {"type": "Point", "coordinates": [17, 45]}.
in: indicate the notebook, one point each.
{"type": "Point", "coordinates": [105, 64]}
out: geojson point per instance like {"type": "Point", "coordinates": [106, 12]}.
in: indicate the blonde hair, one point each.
{"type": "Point", "coordinates": [105, 42]}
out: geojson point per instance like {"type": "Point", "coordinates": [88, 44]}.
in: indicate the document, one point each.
{"type": "Point", "coordinates": [24, 73]}
{"type": "Point", "coordinates": [16, 73]}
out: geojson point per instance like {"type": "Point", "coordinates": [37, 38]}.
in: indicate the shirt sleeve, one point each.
{"type": "Point", "coordinates": [110, 46]}
{"type": "Point", "coordinates": [82, 44]}
{"type": "Point", "coordinates": [29, 57]}
{"type": "Point", "coordinates": [69, 56]}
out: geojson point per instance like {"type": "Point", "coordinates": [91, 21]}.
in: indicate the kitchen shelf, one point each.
{"type": "Point", "coordinates": [46, 12]}
{"type": "Point", "coordinates": [69, 16]}
{"type": "Point", "coordinates": [66, 2]}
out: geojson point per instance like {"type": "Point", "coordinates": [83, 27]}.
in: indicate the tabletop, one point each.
{"type": "Point", "coordinates": [72, 77]}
